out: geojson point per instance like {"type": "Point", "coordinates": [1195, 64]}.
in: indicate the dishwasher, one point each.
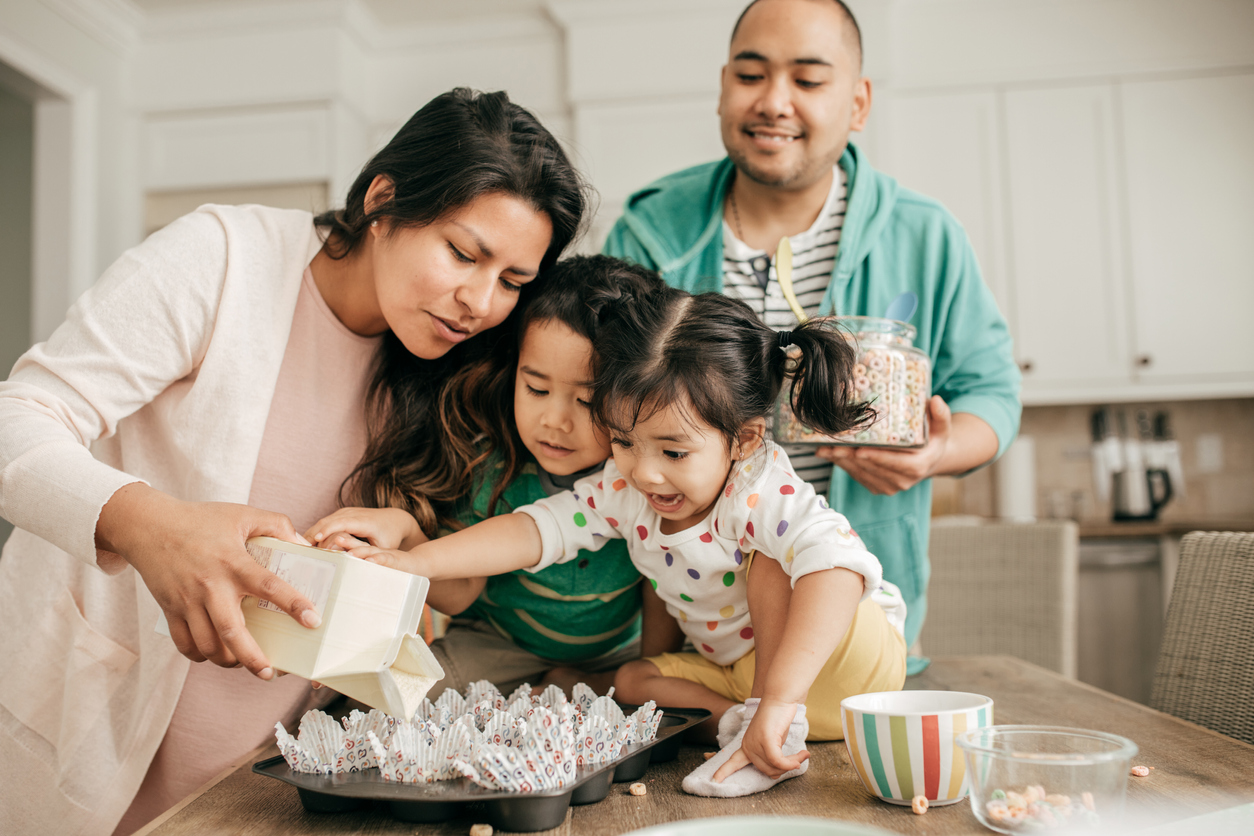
{"type": "Point", "coordinates": [1120, 614]}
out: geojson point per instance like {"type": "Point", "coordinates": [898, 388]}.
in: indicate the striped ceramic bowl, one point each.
{"type": "Point", "coordinates": [901, 743]}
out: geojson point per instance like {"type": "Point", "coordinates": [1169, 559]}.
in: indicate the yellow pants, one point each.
{"type": "Point", "coordinates": [871, 657]}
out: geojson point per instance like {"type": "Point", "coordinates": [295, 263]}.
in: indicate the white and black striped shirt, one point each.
{"type": "Point", "coordinates": [749, 275]}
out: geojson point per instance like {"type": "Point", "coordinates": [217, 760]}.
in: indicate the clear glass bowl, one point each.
{"type": "Point", "coordinates": [1033, 778]}
{"type": "Point", "coordinates": [890, 373]}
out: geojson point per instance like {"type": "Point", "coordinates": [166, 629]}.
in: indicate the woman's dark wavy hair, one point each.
{"type": "Point", "coordinates": [460, 146]}
{"type": "Point", "coordinates": [476, 405]}
{"type": "Point", "coordinates": [714, 358]}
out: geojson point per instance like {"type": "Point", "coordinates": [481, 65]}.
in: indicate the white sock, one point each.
{"type": "Point", "coordinates": [748, 780]}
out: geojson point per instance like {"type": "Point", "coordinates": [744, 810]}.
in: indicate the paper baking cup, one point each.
{"type": "Point", "coordinates": [901, 743]}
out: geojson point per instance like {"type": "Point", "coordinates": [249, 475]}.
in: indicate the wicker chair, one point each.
{"type": "Point", "coordinates": [1004, 588]}
{"type": "Point", "coordinates": [1205, 671]}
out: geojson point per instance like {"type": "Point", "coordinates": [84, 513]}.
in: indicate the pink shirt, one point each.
{"type": "Point", "coordinates": [315, 434]}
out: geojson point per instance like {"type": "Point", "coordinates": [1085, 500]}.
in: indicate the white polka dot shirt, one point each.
{"type": "Point", "coordinates": [700, 572]}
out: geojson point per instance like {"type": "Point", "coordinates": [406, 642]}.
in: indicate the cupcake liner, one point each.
{"type": "Point", "coordinates": [522, 706]}
{"type": "Point", "coordinates": [451, 700]}
{"type": "Point", "coordinates": [524, 744]}
{"type": "Point", "coordinates": [413, 758]}
{"type": "Point", "coordinates": [482, 690]}
{"type": "Point", "coordinates": [425, 711]}
{"type": "Point", "coordinates": [582, 696]}
{"type": "Point", "coordinates": [596, 743]}
{"type": "Point", "coordinates": [521, 692]}
{"type": "Point", "coordinates": [297, 757]}
{"type": "Point", "coordinates": [504, 730]}
{"type": "Point", "coordinates": [644, 723]}
{"type": "Point", "coordinates": [484, 712]}
{"type": "Point", "coordinates": [553, 696]}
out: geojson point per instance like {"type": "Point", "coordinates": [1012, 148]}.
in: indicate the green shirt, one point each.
{"type": "Point", "coordinates": [568, 612]}
{"type": "Point", "coordinates": [893, 240]}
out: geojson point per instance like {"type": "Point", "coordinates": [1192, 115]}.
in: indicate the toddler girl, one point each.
{"type": "Point", "coordinates": [528, 405]}
{"type": "Point", "coordinates": [785, 608]}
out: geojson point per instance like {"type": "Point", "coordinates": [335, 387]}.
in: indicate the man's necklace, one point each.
{"type": "Point", "coordinates": [761, 264]}
{"type": "Point", "coordinates": [731, 198]}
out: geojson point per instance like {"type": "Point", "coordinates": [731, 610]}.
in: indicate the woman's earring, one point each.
{"type": "Point", "coordinates": [374, 223]}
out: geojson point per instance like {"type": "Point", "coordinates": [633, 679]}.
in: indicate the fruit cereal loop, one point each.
{"type": "Point", "coordinates": [638, 789]}
{"type": "Point", "coordinates": [481, 830]}
{"type": "Point", "coordinates": [1140, 771]}
{"type": "Point", "coordinates": [919, 804]}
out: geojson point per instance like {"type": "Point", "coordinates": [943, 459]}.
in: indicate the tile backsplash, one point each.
{"type": "Point", "coordinates": [1216, 440]}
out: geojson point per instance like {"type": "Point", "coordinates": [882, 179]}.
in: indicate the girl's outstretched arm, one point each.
{"type": "Point", "coordinates": [493, 547]}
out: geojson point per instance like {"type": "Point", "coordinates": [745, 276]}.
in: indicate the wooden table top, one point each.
{"type": "Point", "coordinates": [1196, 771]}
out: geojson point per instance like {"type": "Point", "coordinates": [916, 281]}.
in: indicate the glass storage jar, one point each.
{"type": "Point", "coordinates": [890, 373]}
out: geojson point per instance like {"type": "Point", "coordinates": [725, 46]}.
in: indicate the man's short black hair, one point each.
{"type": "Point", "coordinates": [855, 39]}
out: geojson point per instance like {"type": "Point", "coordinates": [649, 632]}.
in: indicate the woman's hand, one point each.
{"type": "Point", "coordinates": [763, 742]}
{"type": "Point", "coordinates": [383, 528]}
{"type": "Point", "coordinates": [192, 558]}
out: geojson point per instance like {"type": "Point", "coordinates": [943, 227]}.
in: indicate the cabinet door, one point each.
{"type": "Point", "coordinates": [1190, 183]}
{"type": "Point", "coordinates": [946, 146]}
{"type": "Point", "coordinates": [1065, 251]}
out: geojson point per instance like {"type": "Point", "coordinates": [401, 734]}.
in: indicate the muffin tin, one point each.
{"type": "Point", "coordinates": [444, 800]}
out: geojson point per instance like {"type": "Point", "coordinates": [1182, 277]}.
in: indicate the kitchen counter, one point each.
{"type": "Point", "coordinates": [1159, 528]}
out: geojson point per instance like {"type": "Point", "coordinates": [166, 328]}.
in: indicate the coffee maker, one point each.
{"type": "Point", "coordinates": [1134, 469]}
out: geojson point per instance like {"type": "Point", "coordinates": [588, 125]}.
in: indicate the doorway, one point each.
{"type": "Point", "coordinates": [17, 167]}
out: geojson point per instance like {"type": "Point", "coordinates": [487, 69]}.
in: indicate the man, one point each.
{"type": "Point", "coordinates": [791, 92]}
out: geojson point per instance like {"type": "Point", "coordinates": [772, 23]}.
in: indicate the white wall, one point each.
{"type": "Point", "coordinates": [202, 94]}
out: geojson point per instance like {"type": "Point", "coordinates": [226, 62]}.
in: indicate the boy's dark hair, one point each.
{"type": "Point", "coordinates": [712, 355]}
{"type": "Point", "coordinates": [462, 145]}
{"type": "Point", "coordinates": [476, 405]}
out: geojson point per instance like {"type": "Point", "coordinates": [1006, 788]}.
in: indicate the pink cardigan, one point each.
{"type": "Point", "coordinates": [165, 370]}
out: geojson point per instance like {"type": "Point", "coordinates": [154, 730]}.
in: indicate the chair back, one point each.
{"type": "Point", "coordinates": [1004, 588]}
{"type": "Point", "coordinates": [1205, 671]}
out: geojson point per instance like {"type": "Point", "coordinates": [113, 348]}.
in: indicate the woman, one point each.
{"type": "Point", "coordinates": [218, 369]}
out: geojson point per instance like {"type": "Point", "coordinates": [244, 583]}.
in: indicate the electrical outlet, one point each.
{"type": "Point", "coordinates": [1210, 453]}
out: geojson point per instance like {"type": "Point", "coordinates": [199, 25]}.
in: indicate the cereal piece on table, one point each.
{"type": "Point", "coordinates": [637, 789]}
{"type": "Point", "coordinates": [481, 830]}
{"type": "Point", "coordinates": [919, 804]}
{"type": "Point", "coordinates": [1140, 771]}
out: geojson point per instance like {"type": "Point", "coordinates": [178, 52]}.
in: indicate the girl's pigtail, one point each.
{"type": "Point", "coordinates": [822, 388]}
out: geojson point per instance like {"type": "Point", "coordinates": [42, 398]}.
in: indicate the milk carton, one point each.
{"type": "Point", "coordinates": [367, 646]}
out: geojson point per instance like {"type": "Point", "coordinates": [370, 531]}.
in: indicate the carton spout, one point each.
{"type": "Point", "coordinates": [413, 674]}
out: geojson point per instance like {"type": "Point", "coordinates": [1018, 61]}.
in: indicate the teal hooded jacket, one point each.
{"type": "Point", "coordinates": [893, 240]}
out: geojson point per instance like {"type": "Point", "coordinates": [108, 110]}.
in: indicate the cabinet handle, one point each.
{"type": "Point", "coordinates": [1144, 360]}
{"type": "Point", "coordinates": [1025, 365]}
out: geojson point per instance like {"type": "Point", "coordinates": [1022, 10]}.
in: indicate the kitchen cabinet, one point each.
{"type": "Point", "coordinates": [1189, 158]}
{"type": "Point", "coordinates": [947, 147]}
{"type": "Point", "coordinates": [1111, 219]}
{"type": "Point", "coordinates": [1067, 270]}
